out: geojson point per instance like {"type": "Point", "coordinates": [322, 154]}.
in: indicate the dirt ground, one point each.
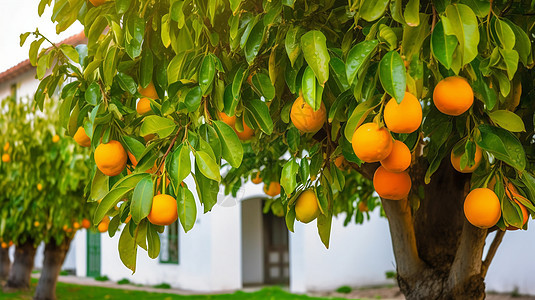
{"type": "Point", "coordinates": [393, 293]}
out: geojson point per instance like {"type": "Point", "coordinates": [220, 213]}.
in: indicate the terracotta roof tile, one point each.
{"type": "Point", "coordinates": [25, 65]}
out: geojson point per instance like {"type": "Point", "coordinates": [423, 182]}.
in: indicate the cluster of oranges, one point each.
{"type": "Point", "coordinates": [6, 157]}
{"type": "Point", "coordinates": [373, 143]}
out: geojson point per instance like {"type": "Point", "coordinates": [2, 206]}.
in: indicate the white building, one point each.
{"type": "Point", "coordinates": [236, 245]}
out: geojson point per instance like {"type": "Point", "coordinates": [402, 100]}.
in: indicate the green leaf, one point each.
{"type": "Point", "coordinates": [146, 67]}
{"type": "Point", "coordinates": [290, 218]}
{"type": "Point", "coordinates": [461, 21]}
{"type": "Point", "coordinates": [236, 86]}
{"type": "Point", "coordinates": [443, 45]}
{"type": "Point", "coordinates": [254, 41]}
{"type": "Point", "coordinates": [263, 85]}
{"type": "Point", "coordinates": [70, 52]}
{"type": "Point", "coordinates": [293, 138]}
{"type": "Point", "coordinates": [359, 115]}
{"type": "Point", "coordinates": [412, 13]}
{"type": "Point", "coordinates": [510, 57]}
{"type": "Point", "coordinates": [230, 143]}
{"type": "Point", "coordinates": [207, 190]}
{"type": "Point", "coordinates": [392, 75]}
{"type": "Point", "coordinates": [187, 209]}
{"type": "Point", "coordinates": [372, 10]}
{"type": "Point", "coordinates": [508, 120]}
{"type": "Point", "coordinates": [127, 83]}
{"type": "Point", "coordinates": [505, 34]}
{"type": "Point", "coordinates": [314, 46]}
{"type": "Point", "coordinates": [304, 169]}
{"type": "Point", "coordinates": [503, 145]}
{"type": "Point", "coordinates": [291, 43]}
{"type": "Point", "coordinates": [179, 165]}
{"type": "Point", "coordinates": [323, 202]}
{"type": "Point", "coordinates": [141, 200]}
{"type": "Point", "coordinates": [308, 85]}
{"type": "Point", "coordinates": [23, 37]}
{"type": "Point", "coordinates": [158, 125]}
{"type": "Point", "coordinates": [324, 227]}
{"type": "Point", "coordinates": [480, 7]}
{"type": "Point", "coordinates": [34, 49]}
{"type": "Point", "coordinates": [207, 165]}
{"type": "Point", "coordinates": [357, 56]}
{"type": "Point", "coordinates": [128, 250]}
{"type": "Point", "coordinates": [288, 176]}
{"type": "Point", "coordinates": [153, 241]}
{"type": "Point", "coordinates": [234, 5]}
{"type": "Point", "coordinates": [93, 95]}
{"type": "Point", "coordinates": [207, 73]}
{"type": "Point", "coordinates": [193, 99]}
{"type": "Point", "coordinates": [522, 44]}
{"type": "Point", "coordinates": [122, 6]}
{"type": "Point", "coordinates": [260, 113]}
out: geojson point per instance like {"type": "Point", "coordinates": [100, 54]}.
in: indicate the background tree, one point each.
{"type": "Point", "coordinates": [301, 90]}
{"type": "Point", "coordinates": [42, 192]}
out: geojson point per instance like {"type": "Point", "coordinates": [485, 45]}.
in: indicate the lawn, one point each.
{"type": "Point", "coordinates": [72, 292]}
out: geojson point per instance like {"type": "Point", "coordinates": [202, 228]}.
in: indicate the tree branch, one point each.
{"type": "Point", "coordinates": [366, 169]}
{"type": "Point", "coordinates": [467, 261]}
{"type": "Point", "coordinates": [492, 251]}
{"type": "Point", "coordinates": [403, 237]}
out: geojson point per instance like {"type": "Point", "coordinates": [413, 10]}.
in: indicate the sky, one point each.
{"type": "Point", "coordinates": [19, 16]}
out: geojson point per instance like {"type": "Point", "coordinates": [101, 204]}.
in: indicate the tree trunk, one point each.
{"type": "Point", "coordinates": [21, 270]}
{"type": "Point", "coordinates": [5, 263]}
{"type": "Point", "coordinates": [438, 252]}
{"type": "Point", "coordinates": [54, 257]}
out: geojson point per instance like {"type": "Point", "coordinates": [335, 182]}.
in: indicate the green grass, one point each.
{"type": "Point", "coordinates": [76, 292]}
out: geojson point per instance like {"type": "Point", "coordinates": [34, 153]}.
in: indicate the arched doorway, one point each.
{"type": "Point", "coordinates": [265, 257]}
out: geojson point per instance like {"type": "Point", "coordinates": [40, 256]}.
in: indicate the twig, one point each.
{"type": "Point", "coordinates": [492, 251]}
{"type": "Point", "coordinates": [168, 150]}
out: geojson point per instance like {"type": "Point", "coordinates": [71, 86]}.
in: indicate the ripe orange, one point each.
{"type": "Point", "coordinates": [81, 137]}
{"type": "Point", "coordinates": [230, 121]}
{"type": "Point", "coordinates": [143, 106]}
{"type": "Point", "coordinates": [6, 158]}
{"type": "Point", "coordinates": [110, 158]}
{"type": "Point", "coordinates": [273, 189]}
{"type": "Point", "coordinates": [103, 226]}
{"type": "Point", "coordinates": [371, 143]}
{"type": "Point", "coordinates": [4, 245]}
{"type": "Point", "coordinates": [76, 225]}
{"type": "Point", "coordinates": [305, 118]}
{"type": "Point", "coordinates": [86, 223]}
{"type": "Point", "coordinates": [453, 96]}
{"type": "Point", "coordinates": [36, 224]}
{"type": "Point", "coordinates": [482, 208]}
{"type": "Point", "coordinates": [65, 228]}
{"type": "Point", "coordinates": [39, 187]}
{"type": "Point", "coordinates": [339, 162]}
{"type": "Point", "coordinates": [164, 210]}
{"type": "Point", "coordinates": [97, 2]}
{"type": "Point", "coordinates": [512, 192]}
{"type": "Point", "coordinates": [55, 138]}
{"type": "Point", "coordinates": [257, 179]}
{"type": "Point", "coordinates": [405, 117]}
{"type": "Point", "coordinates": [390, 185]}
{"type": "Point", "coordinates": [132, 158]}
{"type": "Point", "coordinates": [149, 91]}
{"type": "Point", "coordinates": [6, 146]}
{"type": "Point", "coordinates": [362, 206]}
{"type": "Point", "coordinates": [306, 207]}
{"type": "Point", "coordinates": [456, 161]}
{"type": "Point", "coordinates": [246, 134]}
{"type": "Point", "coordinates": [399, 159]}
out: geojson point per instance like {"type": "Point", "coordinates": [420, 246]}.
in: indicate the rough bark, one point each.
{"type": "Point", "coordinates": [52, 262]}
{"type": "Point", "coordinates": [21, 270]}
{"type": "Point", "coordinates": [438, 253]}
{"type": "Point", "coordinates": [5, 263]}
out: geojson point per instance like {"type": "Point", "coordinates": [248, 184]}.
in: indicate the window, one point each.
{"type": "Point", "coordinates": [169, 244]}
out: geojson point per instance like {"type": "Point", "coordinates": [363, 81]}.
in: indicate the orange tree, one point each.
{"type": "Point", "coordinates": [317, 95]}
{"type": "Point", "coordinates": [42, 192]}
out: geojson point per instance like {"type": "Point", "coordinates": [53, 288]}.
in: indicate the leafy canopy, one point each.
{"type": "Point", "coordinates": [251, 60]}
